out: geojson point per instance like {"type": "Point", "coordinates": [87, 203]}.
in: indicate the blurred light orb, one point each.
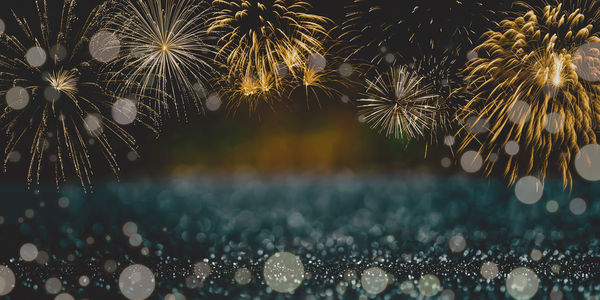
{"type": "Point", "coordinates": [345, 70]}
{"type": "Point", "coordinates": [92, 124]}
{"type": "Point", "coordinates": [390, 58]}
{"type": "Point", "coordinates": [200, 89]}
{"type": "Point", "coordinates": [284, 272]}
{"type": "Point", "coordinates": [174, 296]}
{"type": "Point", "coordinates": [135, 240]}
{"type": "Point", "coordinates": [471, 55]}
{"type": "Point", "coordinates": [577, 206]}
{"type": "Point", "coordinates": [213, 102]}
{"type": "Point", "coordinates": [519, 112]}
{"type": "Point", "coordinates": [476, 125]}
{"type": "Point", "coordinates": [63, 202]}
{"type": "Point", "coordinates": [129, 228]}
{"type": "Point", "coordinates": [64, 296]}
{"type": "Point", "coordinates": [554, 123]}
{"type": "Point", "coordinates": [202, 270]}
{"type": "Point", "coordinates": [14, 157]}
{"type": "Point", "coordinates": [316, 62]}
{"type": "Point", "coordinates": [137, 282]}
{"type": "Point", "coordinates": [345, 99]}
{"type": "Point", "coordinates": [51, 94]}
{"type": "Point", "coordinates": [17, 98]}
{"type": "Point", "coordinates": [529, 190]}
{"type": "Point", "coordinates": [536, 254]}
{"type": "Point", "coordinates": [110, 266]}
{"type": "Point", "coordinates": [457, 243]}
{"type": "Point", "coordinates": [471, 161]}
{"type": "Point", "coordinates": [429, 285]}
{"type": "Point", "coordinates": [489, 270]}
{"type": "Point", "coordinates": [552, 206]}
{"type": "Point", "coordinates": [2, 27]}
{"type": "Point", "coordinates": [28, 252]}
{"type": "Point", "coordinates": [374, 280]}
{"type": "Point", "coordinates": [104, 46]}
{"type": "Point", "coordinates": [446, 162]}
{"type": "Point", "coordinates": [58, 52]}
{"type": "Point", "coordinates": [124, 111]}
{"type": "Point", "coordinates": [447, 294]}
{"type": "Point", "coordinates": [84, 281]}
{"type": "Point", "coordinates": [407, 287]}
{"type": "Point", "coordinates": [449, 140]}
{"type": "Point", "coordinates": [587, 162]}
{"type": "Point", "coordinates": [512, 148]}
{"type": "Point", "coordinates": [587, 61]}
{"type": "Point", "coordinates": [7, 280]}
{"type": "Point", "coordinates": [243, 276]}
{"type": "Point", "coordinates": [53, 285]}
{"type": "Point", "coordinates": [36, 57]}
{"type": "Point", "coordinates": [522, 283]}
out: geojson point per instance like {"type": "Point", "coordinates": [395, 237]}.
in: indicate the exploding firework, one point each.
{"type": "Point", "coordinates": [55, 105]}
{"type": "Point", "coordinates": [165, 51]}
{"type": "Point", "coordinates": [400, 103]}
{"type": "Point", "coordinates": [536, 84]}
{"type": "Point", "coordinates": [382, 29]}
{"type": "Point", "coordinates": [265, 43]}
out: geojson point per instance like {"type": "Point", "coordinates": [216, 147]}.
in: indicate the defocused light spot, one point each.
{"type": "Point", "coordinates": [407, 287]}
{"type": "Point", "coordinates": [36, 57]}
{"type": "Point", "coordinates": [374, 280]}
{"type": "Point", "coordinates": [554, 123]}
{"type": "Point", "coordinates": [587, 162]}
{"type": "Point", "coordinates": [577, 206]}
{"type": "Point", "coordinates": [471, 161]}
{"type": "Point", "coordinates": [284, 272]}
{"type": "Point", "coordinates": [213, 102]}
{"type": "Point", "coordinates": [2, 27]}
{"type": "Point", "coordinates": [64, 296]}
{"type": "Point", "coordinates": [345, 70]}
{"type": "Point", "coordinates": [489, 270]}
{"type": "Point", "coordinates": [529, 190]}
{"type": "Point", "coordinates": [511, 148]}
{"type": "Point", "coordinates": [522, 283]}
{"type": "Point", "coordinates": [129, 228]}
{"type": "Point", "coordinates": [242, 276]}
{"type": "Point", "coordinates": [446, 162]}
{"type": "Point", "coordinates": [429, 285]}
{"type": "Point", "coordinates": [104, 46]}
{"type": "Point", "coordinates": [449, 141]}
{"type": "Point", "coordinates": [519, 112]}
{"type": "Point", "coordinates": [14, 157]}
{"type": "Point", "coordinates": [53, 285]}
{"type": "Point", "coordinates": [552, 206]}
{"type": "Point", "coordinates": [316, 62]}
{"type": "Point", "coordinates": [58, 52]}
{"type": "Point", "coordinates": [84, 281]}
{"type": "Point", "coordinates": [28, 252]}
{"type": "Point", "coordinates": [17, 98]}
{"type": "Point", "coordinates": [110, 266]}
{"type": "Point", "coordinates": [63, 202]}
{"type": "Point", "coordinates": [7, 280]}
{"type": "Point", "coordinates": [587, 61]}
{"type": "Point", "coordinates": [202, 270]}
{"type": "Point", "coordinates": [93, 124]}
{"type": "Point", "coordinates": [124, 111]}
{"type": "Point", "coordinates": [535, 254]}
{"type": "Point", "coordinates": [457, 243]}
{"type": "Point", "coordinates": [471, 55]}
{"type": "Point", "coordinates": [137, 282]}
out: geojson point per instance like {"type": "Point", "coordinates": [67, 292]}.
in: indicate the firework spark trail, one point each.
{"type": "Point", "coordinates": [399, 103]}
{"type": "Point", "coordinates": [263, 41]}
{"type": "Point", "coordinates": [53, 100]}
{"type": "Point", "coordinates": [165, 47]}
{"type": "Point", "coordinates": [528, 73]}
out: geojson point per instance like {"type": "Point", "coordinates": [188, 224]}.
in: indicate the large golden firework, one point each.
{"type": "Point", "coordinates": [56, 110]}
{"type": "Point", "coordinates": [265, 42]}
{"type": "Point", "coordinates": [165, 51]}
{"type": "Point", "coordinates": [400, 103]}
{"type": "Point", "coordinates": [535, 82]}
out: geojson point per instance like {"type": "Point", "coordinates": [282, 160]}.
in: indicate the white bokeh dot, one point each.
{"type": "Point", "coordinates": [2, 27]}
{"type": "Point", "coordinates": [243, 276]}
{"type": "Point", "coordinates": [93, 124]}
{"type": "Point", "coordinates": [374, 280]}
{"type": "Point", "coordinates": [429, 285]}
{"type": "Point", "coordinates": [489, 270]}
{"type": "Point", "coordinates": [53, 285]}
{"type": "Point", "coordinates": [36, 56]}
{"type": "Point", "coordinates": [316, 62]}
{"type": "Point", "coordinates": [28, 252]}
{"type": "Point", "coordinates": [137, 282]}
{"type": "Point", "coordinates": [17, 98]}
{"type": "Point", "coordinates": [554, 123]}
{"type": "Point", "coordinates": [105, 46]}
{"type": "Point", "coordinates": [577, 206]}
{"type": "Point", "coordinates": [512, 148]}
{"type": "Point", "coordinates": [552, 206]}
{"type": "Point", "coordinates": [124, 111]}
{"type": "Point", "coordinates": [471, 161]}
{"type": "Point", "coordinates": [457, 243]}
{"type": "Point", "coordinates": [345, 69]}
{"type": "Point", "coordinates": [522, 283]}
{"type": "Point", "coordinates": [213, 102]}
{"type": "Point", "coordinates": [284, 272]}
{"type": "Point", "coordinates": [587, 162]}
{"type": "Point", "coordinates": [64, 296]}
{"type": "Point", "coordinates": [7, 280]}
{"type": "Point", "coordinates": [519, 112]}
{"type": "Point", "coordinates": [529, 190]}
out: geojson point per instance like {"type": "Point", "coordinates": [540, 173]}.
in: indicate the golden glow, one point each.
{"type": "Point", "coordinates": [531, 58]}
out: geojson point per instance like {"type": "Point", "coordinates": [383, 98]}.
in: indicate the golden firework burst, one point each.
{"type": "Point", "coordinates": [164, 46]}
{"type": "Point", "coordinates": [56, 109]}
{"type": "Point", "coordinates": [400, 103]}
{"type": "Point", "coordinates": [530, 84]}
{"type": "Point", "coordinates": [265, 43]}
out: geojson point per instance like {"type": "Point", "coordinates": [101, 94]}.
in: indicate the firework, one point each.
{"type": "Point", "coordinates": [382, 29]}
{"type": "Point", "coordinates": [165, 51]}
{"type": "Point", "coordinates": [265, 43]}
{"type": "Point", "coordinates": [535, 82]}
{"type": "Point", "coordinates": [54, 104]}
{"type": "Point", "coordinates": [400, 103]}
